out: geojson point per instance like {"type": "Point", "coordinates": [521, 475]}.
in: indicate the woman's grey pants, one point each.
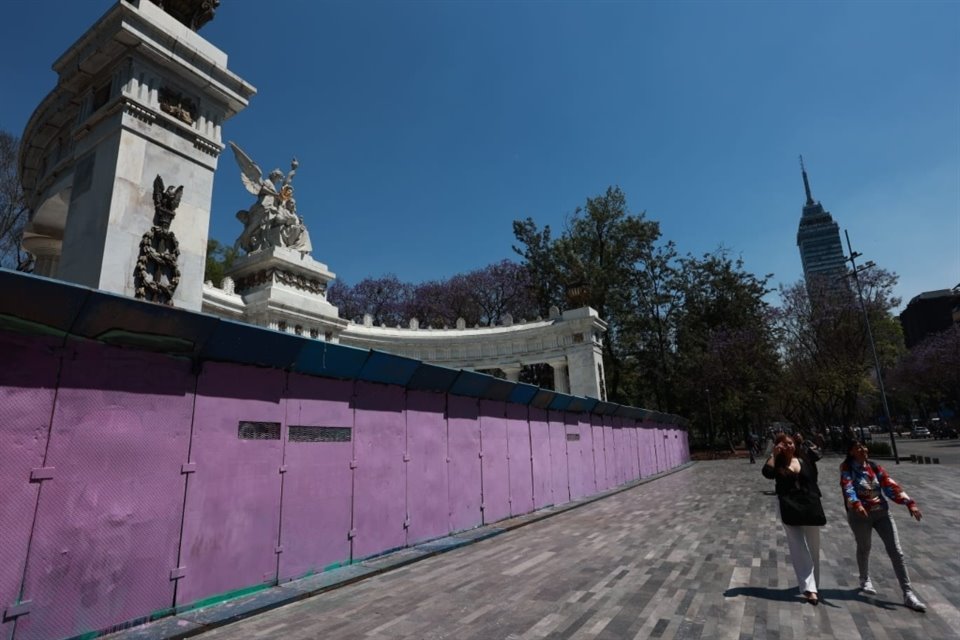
{"type": "Point", "coordinates": [863, 528]}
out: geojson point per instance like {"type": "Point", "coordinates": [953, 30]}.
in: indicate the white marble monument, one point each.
{"type": "Point", "coordinates": [139, 95]}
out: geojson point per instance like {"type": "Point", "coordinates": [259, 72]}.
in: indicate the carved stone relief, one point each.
{"type": "Point", "coordinates": [156, 275]}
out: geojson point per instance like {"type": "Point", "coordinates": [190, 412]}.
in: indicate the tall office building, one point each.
{"type": "Point", "coordinates": [819, 239]}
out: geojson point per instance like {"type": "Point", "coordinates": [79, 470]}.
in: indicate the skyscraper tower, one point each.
{"type": "Point", "coordinates": [819, 239]}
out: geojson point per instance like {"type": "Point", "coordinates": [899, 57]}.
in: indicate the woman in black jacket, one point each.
{"type": "Point", "coordinates": [798, 498]}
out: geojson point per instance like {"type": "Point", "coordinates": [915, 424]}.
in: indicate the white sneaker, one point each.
{"type": "Point", "coordinates": [910, 601]}
{"type": "Point", "coordinates": [867, 587]}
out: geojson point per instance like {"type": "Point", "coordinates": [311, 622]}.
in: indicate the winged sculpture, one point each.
{"type": "Point", "coordinates": [273, 220]}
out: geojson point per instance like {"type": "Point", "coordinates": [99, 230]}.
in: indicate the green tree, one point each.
{"type": "Point", "coordinates": [594, 261]}
{"type": "Point", "coordinates": [220, 257]}
{"type": "Point", "coordinates": [726, 348]}
{"type": "Point", "coordinates": [826, 351]}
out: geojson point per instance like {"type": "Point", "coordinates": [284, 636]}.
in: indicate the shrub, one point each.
{"type": "Point", "coordinates": [879, 449]}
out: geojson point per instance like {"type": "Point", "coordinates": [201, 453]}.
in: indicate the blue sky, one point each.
{"type": "Point", "coordinates": [423, 129]}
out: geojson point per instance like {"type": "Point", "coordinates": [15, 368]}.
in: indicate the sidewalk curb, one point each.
{"type": "Point", "coordinates": [187, 623]}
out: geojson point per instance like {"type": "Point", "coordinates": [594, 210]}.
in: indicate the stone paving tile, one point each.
{"type": "Point", "coordinates": [696, 554]}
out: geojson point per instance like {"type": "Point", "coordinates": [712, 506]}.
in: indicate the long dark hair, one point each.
{"type": "Point", "coordinates": [849, 444]}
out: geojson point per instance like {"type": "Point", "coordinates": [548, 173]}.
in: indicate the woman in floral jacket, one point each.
{"type": "Point", "coordinates": [866, 487]}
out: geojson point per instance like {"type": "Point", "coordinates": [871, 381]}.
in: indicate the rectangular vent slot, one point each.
{"type": "Point", "coordinates": [258, 430]}
{"type": "Point", "coordinates": [573, 437]}
{"type": "Point", "coordinates": [301, 433]}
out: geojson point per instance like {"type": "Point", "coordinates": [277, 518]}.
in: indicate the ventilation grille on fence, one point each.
{"type": "Point", "coordinates": [319, 434]}
{"type": "Point", "coordinates": [258, 431]}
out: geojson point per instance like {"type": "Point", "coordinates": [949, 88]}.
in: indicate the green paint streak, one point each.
{"type": "Point", "coordinates": [161, 613]}
{"type": "Point", "coordinates": [228, 595]}
{"type": "Point", "coordinates": [19, 325]}
{"type": "Point", "coordinates": [336, 565]}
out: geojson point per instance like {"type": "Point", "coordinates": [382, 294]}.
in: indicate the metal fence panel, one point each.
{"type": "Point", "coordinates": [496, 473]}
{"type": "Point", "coordinates": [643, 443]}
{"type": "Point", "coordinates": [108, 520]}
{"type": "Point", "coordinates": [609, 452]}
{"type": "Point", "coordinates": [634, 450]}
{"type": "Point", "coordinates": [589, 473]}
{"type": "Point", "coordinates": [574, 456]}
{"type": "Point", "coordinates": [518, 452]}
{"type": "Point", "coordinates": [559, 465]}
{"type": "Point", "coordinates": [318, 482]}
{"type": "Point", "coordinates": [540, 452]}
{"type": "Point", "coordinates": [427, 482]}
{"type": "Point", "coordinates": [379, 502]}
{"type": "Point", "coordinates": [464, 488]}
{"type": "Point", "coordinates": [232, 516]}
{"type": "Point", "coordinates": [27, 386]}
{"type": "Point", "coordinates": [661, 451]}
{"type": "Point", "coordinates": [623, 456]}
{"type": "Point", "coordinates": [599, 455]}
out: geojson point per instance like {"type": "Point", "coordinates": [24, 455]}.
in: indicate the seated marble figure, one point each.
{"type": "Point", "coordinates": [273, 220]}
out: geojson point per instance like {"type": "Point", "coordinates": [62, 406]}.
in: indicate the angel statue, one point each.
{"type": "Point", "coordinates": [273, 220]}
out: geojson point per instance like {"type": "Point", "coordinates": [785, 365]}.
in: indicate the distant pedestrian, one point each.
{"type": "Point", "coordinates": [751, 442]}
{"type": "Point", "coordinates": [866, 485]}
{"type": "Point", "coordinates": [800, 509]}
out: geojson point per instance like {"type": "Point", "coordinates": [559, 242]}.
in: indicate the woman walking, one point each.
{"type": "Point", "coordinates": [866, 485]}
{"type": "Point", "coordinates": [799, 506]}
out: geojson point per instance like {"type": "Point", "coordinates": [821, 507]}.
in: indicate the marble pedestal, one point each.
{"type": "Point", "coordinates": [285, 290]}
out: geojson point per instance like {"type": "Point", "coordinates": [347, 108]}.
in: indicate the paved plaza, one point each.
{"type": "Point", "coordinates": [695, 554]}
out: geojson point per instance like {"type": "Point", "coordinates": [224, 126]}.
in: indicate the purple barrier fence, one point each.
{"type": "Point", "coordinates": [661, 450]}
{"type": "Point", "coordinates": [496, 472]}
{"type": "Point", "coordinates": [318, 482]}
{"type": "Point", "coordinates": [379, 500]}
{"type": "Point", "coordinates": [633, 449]}
{"type": "Point", "coordinates": [575, 457]}
{"type": "Point", "coordinates": [588, 471]}
{"type": "Point", "coordinates": [518, 453]}
{"type": "Point", "coordinates": [26, 402]}
{"type": "Point", "coordinates": [647, 463]}
{"type": "Point", "coordinates": [427, 499]}
{"type": "Point", "coordinates": [231, 521]}
{"type": "Point", "coordinates": [599, 454]}
{"type": "Point", "coordinates": [558, 458]}
{"type": "Point", "coordinates": [540, 454]}
{"type": "Point", "coordinates": [620, 442]}
{"type": "Point", "coordinates": [609, 452]}
{"type": "Point", "coordinates": [463, 432]}
{"type": "Point", "coordinates": [155, 487]}
{"type": "Point", "coordinates": [108, 519]}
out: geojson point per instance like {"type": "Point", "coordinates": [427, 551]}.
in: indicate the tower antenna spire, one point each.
{"type": "Point", "coordinates": [806, 182]}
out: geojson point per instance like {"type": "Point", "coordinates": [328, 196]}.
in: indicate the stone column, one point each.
{"type": "Point", "coordinates": [560, 381]}
{"type": "Point", "coordinates": [512, 372]}
{"type": "Point", "coordinates": [138, 95]}
{"type": "Point", "coordinates": [46, 252]}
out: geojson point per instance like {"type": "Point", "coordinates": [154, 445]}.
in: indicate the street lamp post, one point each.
{"type": "Point", "coordinates": [873, 347]}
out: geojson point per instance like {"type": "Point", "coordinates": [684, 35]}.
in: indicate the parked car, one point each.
{"type": "Point", "coordinates": [920, 432]}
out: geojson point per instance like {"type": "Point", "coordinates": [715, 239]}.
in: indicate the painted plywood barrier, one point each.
{"type": "Point", "coordinates": [426, 457]}
{"type": "Point", "coordinates": [558, 458]}
{"type": "Point", "coordinates": [493, 445]}
{"type": "Point", "coordinates": [26, 402]}
{"type": "Point", "coordinates": [379, 513]}
{"type": "Point", "coordinates": [162, 482]}
{"type": "Point", "coordinates": [318, 478]}
{"type": "Point", "coordinates": [519, 459]}
{"type": "Point", "coordinates": [231, 521]}
{"type": "Point", "coordinates": [464, 469]}
{"type": "Point", "coordinates": [107, 523]}
{"type": "Point", "coordinates": [540, 458]}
